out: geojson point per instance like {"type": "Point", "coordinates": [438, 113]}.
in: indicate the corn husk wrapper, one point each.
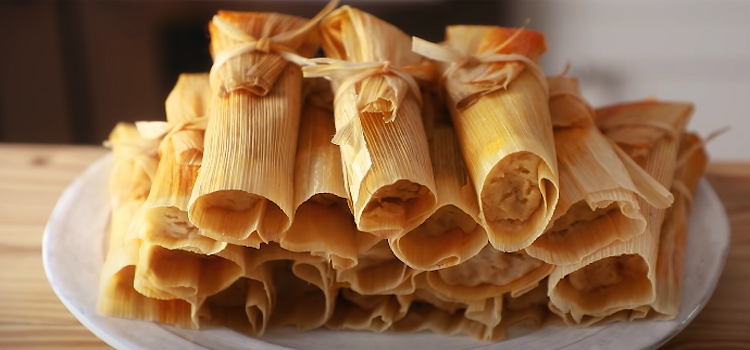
{"type": "Point", "coordinates": [497, 96]}
{"type": "Point", "coordinates": [450, 233]}
{"type": "Point", "coordinates": [498, 317]}
{"type": "Point", "coordinates": [387, 170]}
{"type": "Point", "coordinates": [375, 313]}
{"type": "Point", "coordinates": [379, 272]}
{"type": "Point", "coordinates": [319, 189]}
{"type": "Point", "coordinates": [134, 166]}
{"type": "Point", "coordinates": [176, 274]}
{"type": "Point", "coordinates": [294, 289]}
{"type": "Point", "coordinates": [489, 274]}
{"type": "Point", "coordinates": [622, 276]}
{"type": "Point", "coordinates": [165, 220]}
{"type": "Point", "coordinates": [598, 199]}
{"type": "Point", "coordinates": [241, 194]}
{"type": "Point", "coordinates": [672, 245]}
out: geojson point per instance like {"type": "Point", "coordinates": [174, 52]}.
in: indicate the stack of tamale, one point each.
{"type": "Point", "coordinates": [394, 184]}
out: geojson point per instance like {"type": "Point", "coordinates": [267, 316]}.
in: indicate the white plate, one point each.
{"type": "Point", "coordinates": [73, 252]}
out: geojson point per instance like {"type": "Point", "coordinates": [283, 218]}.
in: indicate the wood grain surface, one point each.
{"type": "Point", "coordinates": [32, 177]}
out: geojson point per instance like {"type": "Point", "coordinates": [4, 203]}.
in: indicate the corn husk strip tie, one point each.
{"type": "Point", "coordinates": [248, 43]}
{"type": "Point", "coordinates": [349, 74]}
{"type": "Point", "coordinates": [155, 130]}
{"type": "Point", "coordinates": [458, 59]}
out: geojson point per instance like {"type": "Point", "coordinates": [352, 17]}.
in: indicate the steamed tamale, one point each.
{"type": "Point", "coordinates": [379, 272]}
{"type": "Point", "coordinates": [622, 275]}
{"type": "Point", "coordinates": [450, 233]}
{"type": "Point", "coordinates": [323, 224]}
{"type": "Point", "coordinates": [176, 274]}
{"type": "Point", "coordinates": [165, 221]}
{"type": "Point", "coordinates": [491, 273]}
{"type": "Point", "coordinates": [372, 312]}
{"type": "Point", "coordinates": [598, 199]}
{"type": "Point", "coordinates": [241, 194]}
{"type": "Point", "coordinates": [134, 166]}
{"type": "Point", "coordinates": [497, 96]}
{"type": "Point", "coordinates": [673, 240]}
{"type": "Point", "coordinates": [384, 150]}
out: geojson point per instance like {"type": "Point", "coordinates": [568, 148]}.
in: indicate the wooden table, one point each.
{"type": "Point", "coordinates": [32, 177]}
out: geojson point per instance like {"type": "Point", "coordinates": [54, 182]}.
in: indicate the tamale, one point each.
{"type": "Point", "coordinates": [598, 199]}
{"type": "Point", "coordinates": [622, 275]}
{"type": "Point", "coordinates": [241, 194]}
{"type": "Point", "coordinates": [175, 274]}
{"type": "Point", "coordinates": [297, 288]}
{"type": "Point", "coordinates": [319, 189]}
{"type": "Point", "coordinates": [134, 165]}
{"type": "Point", "coordinates": [374, 313]}
{"type": "Point", "coordinates": [672, 244]}
{"type": "Point", "coordinates": [450, 233]}
{"type": "Point", "coordinates": [497, 96]}
{"type": "Point", "coordinates": [379, 272]}
{"type": "Point", "coordinates": [165, 220]}
{"type": "Point", "coordinates": [489, 274]}
{"type": "Point", "coordinates": [387, 170]}
{"type": "Point", "coordinates": [488, 320]}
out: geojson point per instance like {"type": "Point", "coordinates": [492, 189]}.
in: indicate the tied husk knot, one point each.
{"type": "Point", "coordinates": [188, 148]}
{"type": "Point", "coordinates": [292, 38]}
{"type": "Point", "coordinates": [479, 74]}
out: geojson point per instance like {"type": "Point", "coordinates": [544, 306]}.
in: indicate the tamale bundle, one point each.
{"type": "Point", "coordinates": [319, 189]}
{"type": "Point", "coordinates": [672, 243]}
{"type": "Point", "coordinates": [165, 221]}
{"type": "Point", "coordinates": [408, 186]}
{"type": "Point", "coordinates": [295, 289]}
{"type": "Point", "coordinates": [241, 194]}
{"type": "Point", "coordinates": [494, 320]}
{"type": "Point", "coordinates": [497, 96]}
{"type": "Point", "coordinates": [379, 272]}
{"type": "Point", "coordinates": [176, 274]}
{"type": "Point", "coordinates": [598, 199]}
{"type": "Point", "coordinates": [387, 170]}
{"type": "Point", "coordinates": [622, 275]}
{"type": "Point", "coordinates": [450, 233]}
{"type": "Point", "coordinates": [489, 274]}
{"type": "Point", "coordinates": [375, 313]}
{"type": "Point", "coordinates": [134, 165]}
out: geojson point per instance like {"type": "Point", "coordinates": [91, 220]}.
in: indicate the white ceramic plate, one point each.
{"type": "Point", "coordinates": [73, 251]}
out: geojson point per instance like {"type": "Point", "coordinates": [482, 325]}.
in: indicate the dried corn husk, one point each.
{"type": "Point", "coordinates": [672, 244]}
{"type": "Point", "coordinates": [598, 199]}
{"type": "Point", "coordinates": [387, 170]}
{"type": "Point", "coordinates": [497, 96]}
{"type": "Point", "coordinates": [374, 313]}
{"type": "Point", "coordinates": [488, 320]}
{"type": "Point", "coordinates": [175, 274]}
{"type": "Point", "coordinates": [489, 274]}
{"type": "Point", "coordinates": [319, 189]}
{"type": "Point", "coordinates": [450, 233]}
{"type": "Point", "coordinates": [379, 272]}
{"type": "Point", "coordinates": [289, 289]}
{"type": "Point", "coordinates": [165, 220]}
{"type": "Point", "coordinates": [622, 275]}
{"type": "Point", "coordinates": [242, 195]}
{"type": "Point", "coordinates": [134, 165]}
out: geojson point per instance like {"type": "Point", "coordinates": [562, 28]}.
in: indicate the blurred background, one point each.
{"type": "Point", "coordinates": [69, 70]}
